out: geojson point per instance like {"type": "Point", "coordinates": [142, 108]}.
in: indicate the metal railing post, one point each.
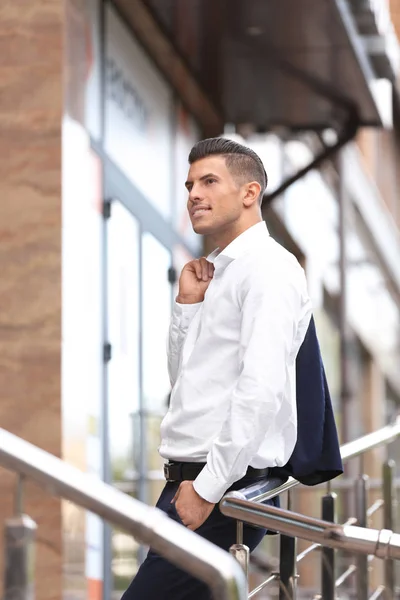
{"type": "Point", "coordinates": [360, 489]}
{"type": "Point", "coordinates": [240, 551]}
{"type": "Point", "coordinates": [328, 554]}
{"type": "Point", "coordinates": [19, 541]}
{"type": "Point", "coordinates": [242, 555]}
{"type": "Point", "coordinates": [388, 523]}
{"type": "Point", "coordinates": [287, 564]}
{"type": "Point", "coordinates": [287, 568]}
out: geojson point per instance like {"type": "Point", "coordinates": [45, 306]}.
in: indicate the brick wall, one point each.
{"type": "Point", "coordinates": [395, 13]}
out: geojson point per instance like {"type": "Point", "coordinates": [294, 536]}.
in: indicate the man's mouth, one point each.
{"type": "Point", "coordinates": [197, 212]}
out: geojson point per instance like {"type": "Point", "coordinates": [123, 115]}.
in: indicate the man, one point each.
{"type": "Point", "coordinates": [238, 322]}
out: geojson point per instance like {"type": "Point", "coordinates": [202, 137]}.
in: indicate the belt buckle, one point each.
{"type": "Point", "coordinates": [166, 472]}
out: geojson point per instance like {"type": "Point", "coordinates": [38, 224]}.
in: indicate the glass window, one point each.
{"type": "Point", "coordinates": [181, 257]}
{"type": "Point", "coordinates": [124, 561]}
{"type": "Point", "coordinates": [156, 311]}
{"type": "Point", "coordinates": [82, 363]}
{"type": "Point", "coordinates": [123, 322]}
{"type": "Point", "coordinates": [138, 115]}
{"type": "Point", "coordinates": [156, 299]}
{"type": "Point", "coordinates": [123, 370]}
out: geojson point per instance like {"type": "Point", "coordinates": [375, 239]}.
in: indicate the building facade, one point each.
{"type": "Point", "coordinates": [126, 153]}
{"type": "Point", "coordinates": [96, 134]}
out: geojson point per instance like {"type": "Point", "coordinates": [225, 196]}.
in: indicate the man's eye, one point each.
{"type": "Point", "coordinates": [210, 180]}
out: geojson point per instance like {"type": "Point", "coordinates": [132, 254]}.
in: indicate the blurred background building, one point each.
{"type": "Point", "coordinates": [100, 104]}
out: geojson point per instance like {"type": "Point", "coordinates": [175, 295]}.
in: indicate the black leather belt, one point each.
{"type": "Point", "coordinates": [186, 471]}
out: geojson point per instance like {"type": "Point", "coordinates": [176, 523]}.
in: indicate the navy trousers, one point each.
{"type": "Point", "coordinates": [158, 579]}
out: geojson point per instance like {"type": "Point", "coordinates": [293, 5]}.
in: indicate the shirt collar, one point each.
{"type": "Point", "coordinates": [242, 244]}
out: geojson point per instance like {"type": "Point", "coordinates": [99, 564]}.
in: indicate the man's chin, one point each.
{"type": "Point", "coordinates": [202, 229]}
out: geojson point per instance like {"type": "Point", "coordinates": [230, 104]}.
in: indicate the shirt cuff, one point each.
{"type": "Point", "coordinates": [186, 309]}
{"type": "Point", "coordinates": [182, 314]}
{"type": "Point", "coordinates": [209, 487]}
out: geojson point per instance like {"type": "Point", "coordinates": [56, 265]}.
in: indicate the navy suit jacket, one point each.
{"type": "Point", "coordinates": [316, 456]}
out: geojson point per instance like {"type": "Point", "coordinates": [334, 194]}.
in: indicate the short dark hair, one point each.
{"type": "Point", "coordinates": [242, 162]}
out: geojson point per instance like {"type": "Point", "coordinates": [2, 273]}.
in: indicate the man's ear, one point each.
{"type": "Point", "coordinates": [252, 193]}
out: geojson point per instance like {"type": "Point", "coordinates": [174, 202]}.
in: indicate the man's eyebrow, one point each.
{"type": "Point", "coordinates": [202, 178]}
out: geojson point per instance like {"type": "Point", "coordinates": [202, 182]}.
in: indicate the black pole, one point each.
{"type": "Point", "coordinates": [287, 568]}
{"type": "Point", "coordinates": [328, 554]}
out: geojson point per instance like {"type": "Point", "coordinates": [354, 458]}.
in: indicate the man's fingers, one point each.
{"type": "Point", "coordinates": [207, 269]}
{"type": "Point", "coordinates": [187, 523]}
{"type": "Point", "coordinates": [175, 498]}
{"type": "Point", "coordinates": [197, 268]}
{"type": "Point", "coordinates": [204, 269]}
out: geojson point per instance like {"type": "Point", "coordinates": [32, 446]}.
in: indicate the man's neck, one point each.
{"type": "Point", "coordinates": [222, 239]}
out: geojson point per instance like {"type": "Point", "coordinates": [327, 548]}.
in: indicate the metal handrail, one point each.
{"type": "Point", "coordinates": [352, 521]}
{"type": "Point", "coordinates": [348, 451]}
{"type": "Point", "coordinates": [183, 547]}
{"type": "Point", "coordinates": [218, 569]}
{"type": "Point", "coordinates": [315, 546]}
{"type": "Point", "coordinates": [244, 505]}
{"type": "Point", "coordinates": [381, 543]}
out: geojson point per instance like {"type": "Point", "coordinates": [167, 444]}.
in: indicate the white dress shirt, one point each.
{"type": "Point", "coordinates": [231, 361]}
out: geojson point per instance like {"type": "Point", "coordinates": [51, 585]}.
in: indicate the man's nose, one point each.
{"type": "Point", "coordinates": [194, 195]}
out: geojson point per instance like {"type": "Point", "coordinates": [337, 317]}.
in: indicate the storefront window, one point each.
{"type": "Point", "coordinates": [123, 372]}
{"type": "Point", "coordinates": [138, 116]}
{"type": "Point", "coordinates": [156, 299]}
{"type": "Point", "coordinates": [123, 325]}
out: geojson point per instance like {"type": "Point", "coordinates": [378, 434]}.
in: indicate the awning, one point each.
{"type": "Point", "coordinates": [298, 64]}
